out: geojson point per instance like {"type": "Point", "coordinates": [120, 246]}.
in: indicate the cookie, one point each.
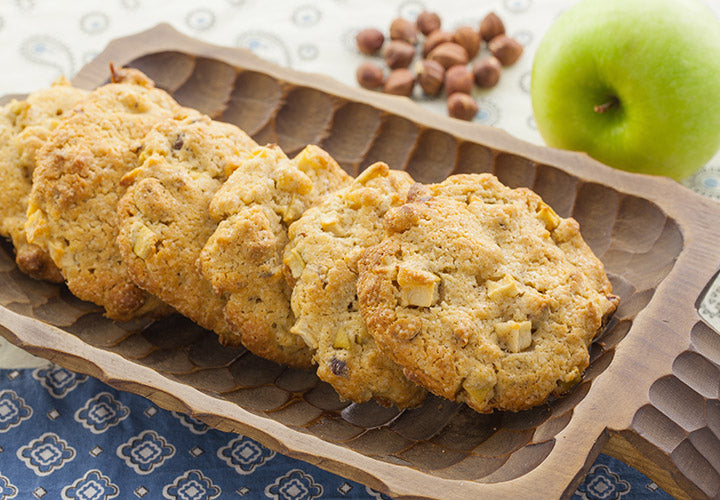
{"type": "Point", "coordinates": [163, 217]}
{"type": "Point", "coordinates": [24, 127]}
{"type": "Point", "coordinates": [321, 259]}
{"type": "Point", "coordinates": [243, 258]}
{"type": "Point", "coordinates": [76, 187]}
{"type": "Point", "coordinates": [484, 294]}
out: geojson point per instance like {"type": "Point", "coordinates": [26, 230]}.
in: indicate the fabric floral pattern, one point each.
{"type": "Point", "coordinates": [602, 484]}
{"type": "Point", "coordinates": [295, 485]}
{"type": "Point", "coordinates": [92, 486]}
{"type": "Point", "coordinates": [376, 495]}
{"type": "Point", "coordinates": [13, 410]}
{"type": "Point", "coordinates": [193, 425]}
{"type": "Point", "coordinates": [7, 489]}
{"type": "Point", "coordinates": [193, 485]}
{"type": "Point", "coordinates": [193, 467]}
{"type": "Point", "coordinates": [244, 455]}
{"type": "Point", "coordinates": [101, 412]}
{"type": "Point", "coordinates": [57, 380]}
{"type": "Point", "coordinates": [46, 454]}
{"type": "Point", "coordinates": [146, 452]}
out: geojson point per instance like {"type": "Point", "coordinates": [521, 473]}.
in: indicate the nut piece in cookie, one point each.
{"type": "Point", "coordinates": [164, 219]}
{"type": "Point", "coordinates": [76, 187]}
{"type": "Point", "coordinates": [24, 127]}
{"type": "Point", "coordinates": [484, 295]}
{"type": "Point", "coordinates": [242, 259]}
{"type": "Point", "coordinates": [321, 261]}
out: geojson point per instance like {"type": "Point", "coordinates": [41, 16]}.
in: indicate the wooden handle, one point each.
{"type": "Point", "coordinates": [682, 420]}
{"type": "Point", "coordinates": [674, 438]}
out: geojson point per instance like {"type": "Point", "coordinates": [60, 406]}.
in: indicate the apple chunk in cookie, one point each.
{"type": "Point", "coordinates": [164, 219]}
{"type": "Point", "coordinates": [24, 127]}
{"type": "Point", "coordinates": [76, 187]}
{"type": "Point", "coordinates": [242, 259]}
{"type": "Point", "coordinates": [321, 259]}
{"type": "Point", "coordinates": [483, 294]}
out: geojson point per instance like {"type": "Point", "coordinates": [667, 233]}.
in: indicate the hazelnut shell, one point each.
{"type": "Point", "coordinates": [506, 49]}
{"type": "Point", "coordinates": [469, 39]}
{"type": "Point", "coordinates": [369, 75]}
{"type": "Point", "coordinates": [462, 106]}
{"type": "Point", "coordinates": [399, 54]}
{"type": "Point", "coordinates": [402, 29]}
{"type": "Point", "coordinates": [427, 22]}
{"type": "Point", "coordinates": [487, 72]}
{"type": "Point", "coordinates": [449, 54]}
{"type": "Point", "coordinates": [458, 78]}
{"type": "Point", "coordinates": [491, 26]}
{"type": "Point", "coordinates": [369, 40]}
{"type": "Point", "coordinates": [434, 39]}
{"type": "Point", "coordinates": [430, 76]}
{"type": "Point", "coordinates": [400, 82]}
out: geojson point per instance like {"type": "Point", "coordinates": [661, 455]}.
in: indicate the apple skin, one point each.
{"type": "Point", "coordinates": [660, 59]}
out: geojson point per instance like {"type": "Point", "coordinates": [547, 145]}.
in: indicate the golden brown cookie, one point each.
{"type": "Point", "coordinates": [483, 294]}
{"type": "Point", "coordinates": [163, 216]}
{"type": "Point", "coordinates": [321, 259]}
{"type": "Point", "coordinates": [243, 257]}
{"type": "Point", "coordinates": [24, 127]}
{"type": "Point", "coordinates": [76, 187]}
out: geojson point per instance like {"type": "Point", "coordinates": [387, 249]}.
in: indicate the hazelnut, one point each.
{"type": "Point", "coordinates": [369, 75]}
{"type": "Point", "coordinates": [430, 76]}
{"type": "Point", "coordinates": [491, 26]}
{"type": "Point", "coordinates": [399, 54]}
{"type": "Point", "coordinates": [402, 29]}
{"type": "Point", "coordinates": [487, 72]}
{"type": "Point", "coordinates": [458, 79]}
{"type": "Point", "coordinates": [427, 22]}
{"type": "Point", "coordinates": [462, 106]}
{"type": "Point", "coordinates": [506, 49]}
{"type": "Point", "coordinates": [469, 39]}
{"type": "Point", "coordinates": [434, 39]}
{"type": "Point", "coordinates": [400, 82]}
{"type": "Point", "coordinates": [369, 40]}
{"type": "Point", "coordinates": [449, 54]}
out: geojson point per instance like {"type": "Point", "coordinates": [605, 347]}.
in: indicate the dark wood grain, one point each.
{"type": "Point", "coordinates": [651, 390]}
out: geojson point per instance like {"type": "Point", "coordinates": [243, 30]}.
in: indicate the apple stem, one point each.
{"type": "Point", "coordinates": [607, 106]}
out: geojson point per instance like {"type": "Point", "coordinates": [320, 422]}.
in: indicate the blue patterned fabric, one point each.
{"type": "Point", "coordinates": [65, 435]}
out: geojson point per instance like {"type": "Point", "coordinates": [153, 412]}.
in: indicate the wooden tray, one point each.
{"type": "Point", "coordinates": [650, 396]}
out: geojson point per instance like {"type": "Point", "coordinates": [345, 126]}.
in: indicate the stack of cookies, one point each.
{"type": "Point", "coordinates": [468, 289]}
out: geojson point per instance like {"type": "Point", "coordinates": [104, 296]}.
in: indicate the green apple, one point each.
{"type": "Point", "coordinates": [633, 83]}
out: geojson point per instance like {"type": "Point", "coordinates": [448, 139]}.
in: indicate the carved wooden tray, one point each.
{"type": "Point", "coordinates": [651, 395]}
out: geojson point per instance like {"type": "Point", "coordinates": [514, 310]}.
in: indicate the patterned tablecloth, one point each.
{"type": "Point", "coordinates": [65, 435]}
